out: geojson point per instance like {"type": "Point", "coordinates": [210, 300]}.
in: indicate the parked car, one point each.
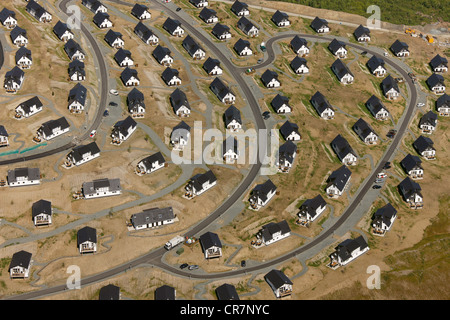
{"type": "Point", "coordinates": [184, 265]}
{"type": "Point", "coordinates": [243, 263]}
{"type": "Point", "coordinates": [193, 267]}
{"type": "Point", "coordinates": [114, 92]}
{"type": "Point", "coordinates": [93, 133]}
{"type": "Point", "coordinates": [177, 9]}
{"type": "Point", "coordinates": [106, 113]}
{"type": "Point", "coordinates": [113, 104]}
{"type": "Point", "coordinates": [376, 186]}
{"type": "Point", "coordinates": [259, 61]}
{"type": "Point", "coordinates": [266, 115]}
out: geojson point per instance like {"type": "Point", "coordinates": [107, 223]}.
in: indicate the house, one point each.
{"type": "Point", "coordinates": [376, 66]}
{"type": "Point", "coordinates": [101, 20]}
{"type": "Point", "coordinates": [428, 122]}
{"type": "Point", "coordinates": [344, 151]}
{"type": "Point", "coordinates": [322, 106]}
{"type": "Point", "coordinates": [162, 55]}
{"type": "Point", "coordinates": [199, 3]}
{"type": "Point", "coordinates": [347, 251]}
{"type": "Point", "coordinates": [299, 65]}
{"type": "Point", "coordinates": [221, 31]}
{"type": "Point", "coordinates": [8, 18]}
{"type": "Point", "coordinates": [208, 15]}
{"type": "Point", "coordinates": [3, 137]}
{"type": "Point", "coordinates": [365, 132]}
{"type": "Point", "coordinates": [338, 181]}
{"type": "Point", "coordinates": [289, 131]}
{"type": "Point", "coordinates": [193, 48]}
{"type": "Point", "coordinates": [19, 36]}
{"type": "Point", "coordinates": [412, 166]}
{"type": "Point", "coordinates": [281, 104]}
{"type": "Point", "coordinates": [247, 27]}
{"type": "Point", "coordinates": [180, 103]}
{"type": "Point", "coordinates": [74, 51]}
{"type": "Point", "coordinates": [383, 219]}
{"type": "Point", "coordinates": [41, 213]}
{"type": "Point", "coordinates": [13, 80]}
{"type": "Point", "coordinates": [94, 5]}
{"type": "Point", "coordinates": [150, 164]}
{"type": "Point", "coordinates": [101, 188]}
{"type": "Point", "coordinates": [37, 11]}
{"type": "Point", "coordinates": [240, 8]}
{"type": "Point", "coordinates": [390, 88]}
{"type": "Point", "coordinates": [165, 292]}
{"type": "Point", "coordinates": [377, 108]}
{"type": "Point", "coordinates": [438, 63]}
{"type": "Point", "coordinates": [400, 49]}
{"type": "Point", "coordinates": [411, 193]}
{"type": "Point", "coordinates": [342, 72]}
{"type": "Point", "coordinates": [130, 77]}
{"type": "Point", "coordinates": [311, 209]}
{"type": "Point", "coordinates": [242, 48]}
{"type": "Point", "coordinates": [179, 137]}
{"type": "Point", "coordinates": [337, 48]}
{"type": "Point", "coordinates": [232, 119]}
{"type": "Point", "coordinates": [173, 27]}
{"type": "Point", "coordinates": [123, 130]}
{"type": "Point", "coordinates": [273, 232]}
{"type": "Point", "coordinates": [123, 58]}
{"type": "Point", "coordinates": [212, 67]}
{"type": "Point", "coordinates": [23, 177]}
{"type": "Point", "coordinates": [230, 149]}
{"type": "Point", "coordinates": [211, 245]}
{"type": "Point", "coordinates": [87, 240]}
{"type": "Point", "coordinates": [286, 155]}
{"type": "Point", "coordinates": [53, 128]}
{"type": "Point", "coordinates": [141, 12]}
{"type": "Point", "coordinates": [145, 34]}
{"type": "Point", "coordinates": [77, 98]}
{"type": "Point", "coordinates": [171, 77]}
{"type": "Point", "coordinates": [28, 108]}
{"type": "Point", "coordinates": [136, 104]}
{"type": "Point", "coordinates": [320, 25]}
{"type": "Point", "coordinates": [114, 39]}
{"type": "Point", "coordinates": [23, 58]}
{"type": "Point", "coordinates": [200, 183]}
{"type": "Point", "coordinates": [222, 91]}
{"type": "Point", "coordinates": [443, 105]}
{"type": "Point", "coordinates": [436, 83]}
{"type": "Point", "coordinates": [77, 71]}
{"type": "Point", "coordinates": [362, 34]}
{"type": "Point", "coordinates": [280, 284]}
{"type": "Point", "coordinates": [109, 292]}
{"type": "Point", "coordinates": [270, 79]}
{"type": "Point", "coordinates": [152, 218]}
{"type": "Point", "coordinates": [83, 153]}
{"type": "Point", "coordinates": [261, 194]}
{"type": "Point", "coordinates": [281, 19]}
{"type": "Point", "coordinates": [299, 46]}
{"type": "Point", "coordinates": [62, 31]}
{"type": "Point", "coordinates": [226, 292]}
{"type": "Point", "coordinates": [424, 146]}
{"type": "Point", "coordinates": [20, 265]}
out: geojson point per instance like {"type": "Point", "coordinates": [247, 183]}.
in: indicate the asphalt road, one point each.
{"type": "Point", "coordinates": [154, 257]}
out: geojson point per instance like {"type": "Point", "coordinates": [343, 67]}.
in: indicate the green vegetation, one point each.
{"type": "Point", "coordinates": [397, 12]}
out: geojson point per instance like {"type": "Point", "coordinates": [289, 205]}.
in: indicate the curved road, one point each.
{"type": "Point", "coordinates": [155, 256]}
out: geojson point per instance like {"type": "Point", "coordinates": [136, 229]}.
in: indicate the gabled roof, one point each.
{"type": "Point", "coordinates": [171, 24]}
{"type": "Point", "coordinates": [375, 104]}
{"type": "Point", "coordinates": [438, 61]}
{"type": "Point", "coordinates": [128, 73]}
{"type": "Point", "coordinates": [219, 29]}
{"type": "Point", "coordinates": [210, 64]}
{"type": "Point", "coordinates": [198, 180]}
{"type": "Point", "coordinates": [361, 31]}
{"type": "Point", "coordinates": [71, 47]}
{"type": "Point", "coordinates": [5, 14]}
{"type": "Point", "coordinates": [310, 206]}
{"type": "Point", "coordinates": [429, 118]}
{"type": "Point", "coordinates": [143, 31]}
{"type": "Point", "coordinates": [178, 99]}
{"type": "Point", "coordinates": [76, 66]}
{"type": "Point", "coordinates": [135, 97]}
{"type": "Point", "coordinates": [318, 23]}
{"type": "Point", "coordinates": [232, 113]}
{"type": "Point", "coordinates": [287, 128]}
{"type": "Point", "coordinates": [411, 162]}
{"type": "Point", "coordinates": [339, 177]}
{"type": "Point", "coordinates": [78, 152]}
{"type": "Point", "coordinates": [139, 9]}
{"type": "Point", "coordinates": [100, 17]}
{"type": "Point", "coordinates": [78, 93]}
{"type": "Point", "coordinates": [298, 62]}
{"type": "Point", "coordinates": [279, 101]}
{"type": "Point", "coordinates": [340, 68]}
{"type": "Point", "coordinates": [277, 278]}
{"type": "Point", "coordinates": [220, 88]}
{"type": "Point", "coordinates": [423, 143]}
{"type": "Point", "coordinates": [345, 248]}
{"type": "Point", "coordinates": [3, 132]}
{"type": "Point", "coordinates": [374, 62]}
{"type": "Point", "coordinates": [48, 126]}
{"type": "Point", "coordinates": [335, 45]}
{"type": "Point", "coordinates": [362, 128]}
{"type": "Point", "coordinates": [207, 13]}
{"type": "Point", "coordinates": [30, 173]}
{"type": "Point", "coordinates": [408, 187]}
{"type": "Point", "coordinates": [298, 42]}
{"type": "Point", "coordinates": [245, 25]}
{"type": "Point", "coordinates": [342, 147]}
{"type": "Point", "coordinates": [191, 45]}
{"type": "Point", "coordinates": [169, 73]}
{"type": "Point", "coordinates": [17, 31]}
{"type": "Point", "coordinates": [434, 80]}
{"type": "Point", "coordinates": [180, 130]}
{"type": "Point", "coordinates": [399, 46]}
{"type": "Point", "coordinates": [152, 215]}
{"type": "Point", "coordinates": [238, 6]}
{"type": "Point", "coordinates": [230, 143]}
{"type": "Point", "coordinates": [226, 292]}
{"type": "Point", "coordinates": [123, 125]}
{"type": "Point", "coordinates": [262, 190]}
{"type": "Point", "coordinates": [240, 45]}
{"type": "Point", "coordinates": [279, 16]}
{"type": "Point", "coordinates": [385, 214]}
{"type": "Point", "coordinates": [14, 74]}
{"type": "Point", "coordinates": [210, 239]}
{"type": "Point", "coordinates": [268, 76]}
{"type": "Point", "coordinates": [443, 101]}
{"type": "Point", "coordinates": [86, 234]}
{"type": "Point", "coordinates": [320, 103]}
{"type": "Point", "coordinates": [271, 228]}
{"type": "Point", "coordinates": [287, 151]}
{"type": "Point", "coordinates": [109, 292]}
{"type": "Point", "coordinates": [26, 105]}
{"type": "Point", "coordinates": [389, 83]}
{"type": "Point", "coordinates": [121, 55]}
{"type": "Point", "coordinates": [111, 36]}
{"type": "Point", "coordinates": [36, 8]}
{"type": "Point", "coordinates": [60, 28]}
{"type": "Point", "coordinates": [23, 52]}
{"type": "Point", "coordinates": [20, 259]}
{"type": "Point", "coordinates": [160, 52]}
{"type": "Point", "coordinates": [165, 292]}
{"type": "Point", "coordinates": [156, 157]}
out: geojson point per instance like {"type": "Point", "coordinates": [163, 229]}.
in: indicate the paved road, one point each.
{"type": "Point", "coordinates": [155, 256]}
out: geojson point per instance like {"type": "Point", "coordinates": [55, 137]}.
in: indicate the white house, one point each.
{"type": "Point", "coordinates": [152, 218]}
{"type": "Point", "coordinates": [348, 251]}
{"type": "Point", "coordinates": [286, 155]}
{"type": "Point", "coordinates": [412, 166]}
{"type": "Point", "coordinates": [53, 128]}
{"type": "Point", "coordinates": [41, 213]}
{"type": "Point", "coordinates": [28, 108]}
{"type": "Point", "coordinates": [3, 137]}
{"type": "Point", "coordinates": [248, 27]}
{"type": "Point", "coordinates": [377, 108]}
{"type": "Point", "coordinates": [77, 98]}
{"type": "Point", "coordinates": [270, 79]}
{"type": "Point", "coordinates": [179, 137]}
{"type": "Point", "coordinates": [84, 153]}
{"type": "Point", "coordinates": [101, 20]}
{"type": "Point", "coordinates": [299, 65]}
{"type": "Point", "coordinates": [273, 232]}
{"type": "Point", "coordinates": [289, 131]}
{"type": "Point", "coordinates": [173, 27]}
{"type": "Point", "coordinates": [62, 31]}
{"type": "Point", "coordinates": [37, 11]}
{"type": "Point", "coordinates": [280, 284]}
{"type": "Point", "coordinates": [281, 19]}
{"type": "Point", "coordinates": [281, 104]}
{"type": "Point", "coordinates": [95, 6]}
{"type": "Point", "coordinates": [23, 177]}
{"type": "Point", "coordinates": [344, 151]}
{"type": "Point", "coordinates": [130, 77]}
{"type": "Point", "coordinates": [365, 132]}
{"type": "Point", "coordinates": [411, 193]}
{"type": "Point", "coordinates": [123, 58]}
{"type": "Point", "coordinates": [200, 183]}
{"type": "Point", "coordinates": [211, 245]}
{"type": "Point", "coordinates": [145, 34]}
{"type": "Point", "coordinates": [136, 103]}
{"type": "Point", "coordinates": [242, 48]}
{"type": "Point", "coordinates": [232, 117]}
{"type": "Point", "coordinates": [122, 130]}
{"type": "Point", "coordinates": [114, 39]}
{"type": "Point", "coordinates": [436, 83]}
{"type": "Point", "coordinates": [439, 64]}
{"type": "Point", "coordinates": [222, 91]}
{"type": "Point", "coordinates": [23, 58]}
{"type": "Point", "coordinates": [221, 31]}
{"type": "Point", "coordinates": [311, 209]}
{"type": "Point", "coordinates": [87, 240]}
{"type": "Point", "coordinates": [193, 48]}
{"type": "Point", "coordinates": [299, 46]}
{"type": "Point", "coordinates": [323, 108]}
{"type": "Point", "coordinates": [141, 12]}
{"type": "Point", "coordinates": [20, 265]}
{"type": "Point", "coordinates": [180, 104]}
{"type": "Point", "coordinates": [424, 147]}
{"type": "Point", "coordinates": [171, 77]}
{"type": "Point", "coordinates": [400, 49]}
{"type": "Point", "coordinates": [320, 25]}
{"type": "Point", "coordinates": [428, 122]}
{"type": "Point", "coordinates": [199, 3]}
{"type": "Point", "coordinates": [8, 18]}
{"type": "Point", "coordinates": [362, 34]}
{"type": "Point", "coordinates": [74, 51]}
{"type": "Point", "coordinates": [150, 164]}
{"type": "Point", "coordinates": [338, 182]}
{"type": "Point", "coordinates": [212, 67]}
{"type": "Point", "coordinates": [101, 188]}
{"type": "Point", "coordinates": [19, 36]}
{"type": "Point", "coordinates": [240, 8]}
{"type": "Point", "coordinates": [230, 149]}
{"type": "Point", "coordinates": [443, 105]}
{"type": "Point", "coordinates": [261, 194]}
{"type": "Point", "coordinates": [162, 55]}
{"type": "Point", "coordinates": [342, 72]}
{"type": "Point", "coordinates": [338, 48]}
{"type": "Point", "coordinates": [376, 66]}
{"type": "Point", "coordinates": [383, 219]}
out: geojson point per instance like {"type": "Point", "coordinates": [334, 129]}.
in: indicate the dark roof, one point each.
{"type": "Point", "coordinates": [298, 42]}
{"type": "Point", "coordinates": [5, 14]}
{"type": "Point", "coordinates": [277, 278]}
{"type": "Point", "coordinates": [341, 146]}
{"type": "Point", "coordinates": [3, 131]}
{"type": "Point", "coordinates": [76, 66]}
{"type": "Point", "coordinates": [71, 47]}
{"type": "Point", "coordinates": [79, 151]}
{"type": "Point", "coordinates": [150, 216]}
{"type": "Point", "coordinates": [219, 29]}
{"type": "Point", "coordinates": [48, 126]}
{"type": "Point", "coordinates": [207, 13]}
{"type": "Point", "coordinates": [279, 16]}
{"type": "Point", "coordinates": [241, 45]}
{"type": "Point", "coordinates": [245, 25]}
{"type": "Point", "coordinates": [411, 162]}
{"type": "Point", "coordinates": [311, 205]}
{"type": "Point", "coordinates": [78, 93]}
{"type": "Point", "coordinates": [438, 61]}
{"type": "Point", "coordinates": [29, 173]}
{"type": "Point", "coordinates": [210, 239]}
{"type": "Point", "coordinates": [226, 292]}
{"type": "Point", "coordinates": [232, 113]}
{"type": "Point", "coordinates": [178, 99]}
{"type": "Point", "coordinates": [41, 206]}
{"type": "Point", "coordinates": [262, 190]}
{"type": "Point", "coordinates": [361, 31]}
{"type": "Point", "coordinates": [156, 157]}
{"type": "Point", "coordinates": [23, 52]}
{"type": "Point", "coordinates": [429, 118]}
{"type": "Point", "coordinates": [21, 258]}
{"type": "Point", "coordinates": [14, 74]}
{"type": "Point", "coordinates": [135, 98]}
{"type": "Point", "coordinates": [287, 128]}
{"type": "Point", "coordinates": [268, 76]}
{"type": "Point", "coordinates": [384, 214]}
{"type": "Point", "coordinates": [297, 62]}
{"type": "Point", "coordinates": [374, 104]}
{"type": "Point", "coordinates": [169, 73]}
{"type": "Point", "coordinates": [210, 64]}
{"type": "Point", "coordinates": [121, 55]}
{"type": "Point", "coordinates": [287, 151]}
{"type": "Point", "coordinates": [345, 248]}
{"type": "Point", "coordinates": [35, 7]}
{"type": "Point", "coordinates": [398, 46]}
{"type": "Point", "coordinates": [60, 28]}
{"type": "Point", "coordinates": [374, 62]}
{"type": "Point", "coordinates": [362, 128]}
{"type": "Point", "coordinates": [111, 36]}
{"type": "Point", "coordinates": [443, 100]}
{"type": "Point", "coordinates": [198, 180]}
{"type": "Point", "coordinates": [128, 73]}
{"type": "Point", "coordinates": [160, 52]}
{"type": "Point", "coordinates": [165, 292]}
{"type": "Point", "coordinates": [434, 80]}
{"type": "Point", "coordinates": [230, 143]}
{"type": "Point", "coordinates": [408, 187]}
{"type": "Point", "coordinates": [389, 83]}
{"type": "Point", "coordinates": [271, 228]}
{"type": "Point", "coordinates": [123, 125]}
{"type": "Point", "coordinates": [86, 234]}
{"type": "Point", "coordinates": [138, 9]}
{"type": "Point", "coordinates": [182, 125]}
{"type": "Point", "coordinates": [238, 6]}
{"type": "Point", "coordinates": [220, 88]}
{"type": "Point", "coordinates": [100, 17]}
{"type": "Point", "coordinates": [279, 101]}
{"type": "Point", "coordinates": [422, 144]}
{"type": "Point", "coordinates": [320, 103]}
{"type": "Point", "coordinates": [171, 25]}
{"type": "Point", "coordinates": [340, 68]}
{"type": "Point", "coordinates": [26, 105]}
{"type": "Point", "coordinates": [109, 292]}
{"type": "Point", "coordinates": [191, 45]}
{"type": "Point", "coordinates": [335, 45]}
{"type": "Point", "coordinates": [17, 31]}
{"type": "Point", "coordinates": [339, 177]}
{"type": "Point", "coordinates": [143, 31]}
{"type": "Point", "coordinates": [318, 23]}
